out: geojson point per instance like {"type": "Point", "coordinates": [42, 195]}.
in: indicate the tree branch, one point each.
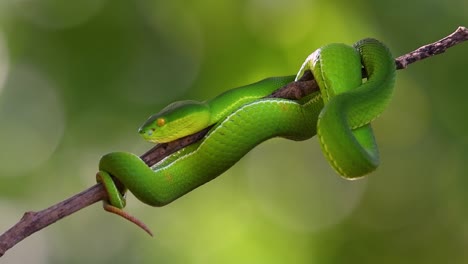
{"type": "Point", "coordinates": [32, 222]}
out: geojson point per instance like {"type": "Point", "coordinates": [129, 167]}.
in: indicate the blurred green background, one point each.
{"type": "Point", "coordinates": [78, 78]}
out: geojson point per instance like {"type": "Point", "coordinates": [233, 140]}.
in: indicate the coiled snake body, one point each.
{"type": "Point", "coordinates": [340, 114]}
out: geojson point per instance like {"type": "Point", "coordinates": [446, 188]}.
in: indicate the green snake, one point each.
{"type": "Point", "coordinates": [339, 113]}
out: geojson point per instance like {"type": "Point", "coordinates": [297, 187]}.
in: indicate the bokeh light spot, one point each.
{"type": "Point", "coordinates": [32, 121]}
{"type": "Point", "coordinates": [296, 187]}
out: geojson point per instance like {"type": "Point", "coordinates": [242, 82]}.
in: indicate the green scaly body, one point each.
{"type": "Point", "coordinates": [340, 114]}
{"type": "Point", "coordinates": [218, 151]}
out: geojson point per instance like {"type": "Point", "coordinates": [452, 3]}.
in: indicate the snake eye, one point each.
{"type": "Point", "coordinates": [160, 122]}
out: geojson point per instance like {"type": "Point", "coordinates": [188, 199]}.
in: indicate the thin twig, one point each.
{"type": "Point", "coordinates": [438, 47]}
{"type": "Point", "coordinates": [32, 222]}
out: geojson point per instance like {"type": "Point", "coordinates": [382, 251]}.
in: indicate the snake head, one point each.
{"type": "Point", "coordinates": [176, 120]}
